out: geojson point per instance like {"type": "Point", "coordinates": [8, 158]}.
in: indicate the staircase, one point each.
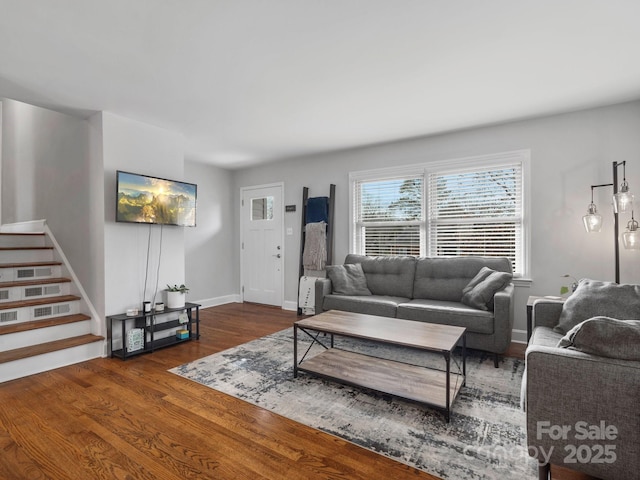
{"type": "Point", "coordinates": [43, 310]}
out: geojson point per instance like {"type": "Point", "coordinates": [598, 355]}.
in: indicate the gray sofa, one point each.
{"type": "Point", "coordinates": [429, 289]}
{"type": "Point", "coordinates": [570, 389]}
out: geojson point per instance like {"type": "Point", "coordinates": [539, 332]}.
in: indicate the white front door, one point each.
{"type": "Point", "coordinates": [261, 250]}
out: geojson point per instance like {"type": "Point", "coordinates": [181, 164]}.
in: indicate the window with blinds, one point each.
{"type": "Point", "coordinates": [389, 216]}
{"type": "Point", "coordinates": [459, 207]}
{"type": "Point", "coordinates": [477, 212]}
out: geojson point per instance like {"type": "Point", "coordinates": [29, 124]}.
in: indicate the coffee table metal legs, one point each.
{"type": "Point", "coordinates": [447, 357]}
{"type": "Point", "coordinates": [295, 351]}
{"type": "Point", "coordinates": [447, 413]}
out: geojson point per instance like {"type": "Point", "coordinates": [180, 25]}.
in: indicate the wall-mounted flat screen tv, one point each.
{"type": "Point", "coordinates": [145, 199]}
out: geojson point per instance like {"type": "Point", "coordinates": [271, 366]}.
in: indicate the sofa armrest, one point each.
{"type": "Point", "coordinates": [323, 287]}
{"type": "Point", "coordinates": [546, 313]}
{"type": "Point", "coordinates": [503, 316]}
{"type": "Point", "coordinates": [574, 392]}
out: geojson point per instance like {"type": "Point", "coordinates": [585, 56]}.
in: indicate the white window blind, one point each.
{"type": "Point", "coordinates": [389, 216]}
{"type": "Point", "coordinates": [477, 212]}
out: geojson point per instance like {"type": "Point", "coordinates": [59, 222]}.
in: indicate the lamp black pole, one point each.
{"type": "Point", "coordinates": [616, 242]}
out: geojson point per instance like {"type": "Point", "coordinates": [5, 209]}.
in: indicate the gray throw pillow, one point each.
{"type": "Point", "coordinates": [482, 294]}
{"type": "Point", "coordinates": [606, 337]}
{"type": "Point", "coordinates": [594, 298]}
{"type": "Point", "coordinates": [347, 279]}
{"type": "Point", "coordinates": [481, 275]}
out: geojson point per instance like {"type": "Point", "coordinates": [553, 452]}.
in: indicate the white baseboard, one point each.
{"type": "Point", "coordinates": [214, 302]}
{"type": "Point", "coordinates": [519, 336]}
{"type": "Point", "coordinates": [289, 305]}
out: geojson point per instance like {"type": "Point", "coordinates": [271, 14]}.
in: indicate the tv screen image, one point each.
{"type": "Point", "coordinates": [145, 199]}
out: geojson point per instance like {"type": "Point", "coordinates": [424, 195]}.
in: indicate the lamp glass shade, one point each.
{"type": "Point", "coordinates": [631, 240]}
{"type": "Point", "coordinates": [622, 201]}
{"type": "Point", "coordinates": [592, 222]}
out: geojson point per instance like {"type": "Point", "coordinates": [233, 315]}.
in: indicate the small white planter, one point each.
{"type": "Point", "coordinates": [175, 299]}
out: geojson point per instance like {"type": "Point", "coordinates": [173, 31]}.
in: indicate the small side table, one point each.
{"type": "Point", "coordinates": [530, 301]}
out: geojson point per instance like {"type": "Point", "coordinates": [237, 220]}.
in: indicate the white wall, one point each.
{"type": "Point", "coordinates": [569, 153]}
{"type": "Point", "coordinates": [211, 269]}
{"type": "Point", "coordinates": [139, 148]}
{"type": "Point", "coordinates": [47, 174]}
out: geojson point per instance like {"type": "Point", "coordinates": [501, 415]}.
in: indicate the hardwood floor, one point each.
{"type": "Point", "coordinates": [109, 419]}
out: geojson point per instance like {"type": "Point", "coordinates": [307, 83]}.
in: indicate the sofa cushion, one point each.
{"type": "Point", "coordinates": [480, 296]}
{"type": "Point", "coordinates": [347, 279]}
{"type": "Point", "coordinates": [390, 276]}
{"type": "Point", "coordinates": [447, 313]}
{"type": "Point", "coordinates": [440, 278]}
{"type": "Point", "coordinates": [594, 298]}
{"type": "Point", "coordinates": [606, 337]}
{"type": "Point", "coordinates": [382, 306]}
{"type": "Point", "coordinates": [545, 336]}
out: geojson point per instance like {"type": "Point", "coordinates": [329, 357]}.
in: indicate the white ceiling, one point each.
{"type": "Point", "coordinates": [250, 81]}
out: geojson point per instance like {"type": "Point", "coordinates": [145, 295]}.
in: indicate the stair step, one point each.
{"type": "Point", "coordinates": [29, 264]}
{"type": "Point", "coordinates": [49, 322]}
{"type": "Point", "coordinates": [39, 301]}
{"type": "Point", "coordinates": [26, 283]}
{"type": "Point", "coordinates": [32, 351]}
{"type": "Point", "coordinates": [25, 234]}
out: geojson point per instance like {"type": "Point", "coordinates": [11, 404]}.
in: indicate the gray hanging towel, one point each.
{"type": "Point", "coordinates": [314, 254]}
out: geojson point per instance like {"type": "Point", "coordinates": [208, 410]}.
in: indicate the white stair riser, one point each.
{"type": "Point", "coordinates": [29, 273]}
{"type": "Point", "coordinates": [49, 361]}
{"type": "Point", "coordinates": [32, 292]}
{"type": "Point", "coordinates": [22, 240]}
{"type": "Point", "coordinates": [21, 256]}
{"type": "Point", "coordinates": [41, 312]}
{"type": "Point", "coordinates": [42, 335]}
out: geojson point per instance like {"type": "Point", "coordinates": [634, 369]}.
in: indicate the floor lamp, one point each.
{"type": "Point", "coordinates": [622, 202]}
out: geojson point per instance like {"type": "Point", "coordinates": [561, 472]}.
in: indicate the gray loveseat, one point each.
{"type": "Point", "coordinates": [429, 289]}
{"type": "Point", "coordinates": [583, 408]}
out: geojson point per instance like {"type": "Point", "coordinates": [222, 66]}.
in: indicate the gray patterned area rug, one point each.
{"type": "Point", "coordinates": [486, 438]}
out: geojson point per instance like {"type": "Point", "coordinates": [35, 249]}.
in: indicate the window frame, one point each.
{"type": "Point", "coordinates": [383, 174]}
{"type": "Point", "coordinates": [522, 157]}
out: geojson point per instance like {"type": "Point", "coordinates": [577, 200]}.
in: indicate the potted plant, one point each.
{"type": "Point", "coordinates": [176, 295]}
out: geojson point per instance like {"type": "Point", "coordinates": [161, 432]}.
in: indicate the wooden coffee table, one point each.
{"type": "Point", "coordinates": [421, 384]}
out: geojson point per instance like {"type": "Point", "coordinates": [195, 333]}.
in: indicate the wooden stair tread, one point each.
{"type": "Point", "coordinates": [26, 283]}
{"type": "Point", "coordinates": [32, 351]}
{"type": "Point", "coordinates": [38, 301]}
{"type": "Point", "coordinates": [30, 264]}
{"type": "Point", "coordinates": [48, 322]}
{"type": "Point", "coordinates": [7, 249]}
{"type": "Point", "coordinates": [24, 234]}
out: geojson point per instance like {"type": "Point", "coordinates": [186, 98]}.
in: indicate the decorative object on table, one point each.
{"type": "Point", "coordinates": [132, 312]}
{"type": "Point", "coordinates": [564, 290]}
{"type": "Point", "coordinates": [487, 420]}
{"type": "Point", "coordinates": [159, 307]}
{"type": "Point", "coordinates": [182, 334]}
{"type": "Point", "coordinates": [147, 307]}
{"type": "Point", "coordinates": [176, 295]}
{"type": "Point", "coordinates": [135, 339]}
{"type": "Point", "coordinates": [183, 318]}
{"type": "Point", "coordinates": [622, 202]}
